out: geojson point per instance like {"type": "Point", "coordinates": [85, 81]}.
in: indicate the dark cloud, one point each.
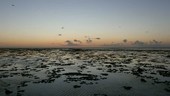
{"type": "Point", "coordinates": [89, 40]}
{"type": "Point", "coordinates": [70, 43]}
{"type": "Point", "coordinates": [77, 41]}
{"type": "Point", "coordinates": [155, 42]}
{"type": "Point", "coordinates": [98, 38]}
{"type": "Point", "coordinates": [139, 43]}
{"type": "Point", "coordinates": [125, 40]}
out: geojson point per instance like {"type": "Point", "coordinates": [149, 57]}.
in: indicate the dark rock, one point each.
{"type": "Point", "coordinates": [153, 73]}
{"type": "Point", "coordinates": [160, 66]}
{"type": "Point", "coordinates": [49, 80]}
{"type": "Point", "coordinates": [8, 91]}
{"type": "Point", "coordinates": [143, 80]}
{"type": "Point", "coordinates": [137, 71]}
{"type": "Point", "coordinates": [127, 87]}
{"type": "Point", "coordinates": [21, 90]}
{"type": "Point", "coordinates": [42, 66]}
{"type": "Point", "coordinates": [123, 69]}
{"type": "Point", "coordinates": [83, 82]}
{"type": "Point", "coordinates": [164, 73]}
{"type": "Point", "coordinates": [23, 84]}
{"type": "Point", "coordinates": [99, 69]}
{"type": "Point", "coordinates": [76, 86]}
{"type": "Point", "coordinates": [67, 64]}
{"type": "Point", "coordinates": [104, 74]}
{"type": "Point", "coordinates": [127, 61]}
{"type": "Point", "coordinates": [112, 70]}
{"type": "Point", "coordinates": [108, 66]}
{"type": "Point", "coordinates": [168, 56]}
{"type": "Point", "coordinates": [167, 89]}
{"type": "Point", "coordinates": [19, 94]}
{"type": "Point", "coordinates": [103, 78]}
{"type": "Point", "coordinates": [75, 76]}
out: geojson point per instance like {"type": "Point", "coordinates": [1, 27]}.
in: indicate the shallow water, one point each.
{"type": "Point", "coordinates": [56, 72]}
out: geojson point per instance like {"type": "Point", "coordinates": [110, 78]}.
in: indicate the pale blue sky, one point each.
{"type": "Point", "coordinates": [39, 21]}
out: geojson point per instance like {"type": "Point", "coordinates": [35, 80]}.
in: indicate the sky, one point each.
{"type": "Point", "coordinates": [84, 23]}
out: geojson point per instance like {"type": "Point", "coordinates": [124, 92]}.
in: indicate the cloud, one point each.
{"type": "Point", "coordinates": [139, 43]}
{"type": "Point", "coordinates": [70, 43]}
{"type": "Point", "coordinates": [89, 40]}
{"type": "Point", "coordinates": [125, 40]}
{"type": "Point", "coordinates": [155, 42]}
{"type": "Point", "coordinates": [77, 41]}
{"type": "Point", "coordinates": [98, 38]}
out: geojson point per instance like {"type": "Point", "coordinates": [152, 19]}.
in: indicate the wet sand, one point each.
{"type": "Point", "coordinates": [80, 72]}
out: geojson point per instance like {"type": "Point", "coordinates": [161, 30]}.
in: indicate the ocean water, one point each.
{"type": "Point", "coordinates": [85, 72]}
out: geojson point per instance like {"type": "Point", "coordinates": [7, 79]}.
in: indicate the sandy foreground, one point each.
{"type": "Point", "coordinates": [77, 72]}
